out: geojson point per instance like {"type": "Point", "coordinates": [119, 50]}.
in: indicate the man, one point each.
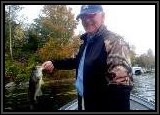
{"type": "Point", "coordinates": [103, 67]}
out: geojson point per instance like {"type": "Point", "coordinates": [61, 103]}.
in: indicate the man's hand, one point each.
{"type": "Point", "coordinates": [48, 65]}
{"type": "Point", "coordinates": [120, 75]}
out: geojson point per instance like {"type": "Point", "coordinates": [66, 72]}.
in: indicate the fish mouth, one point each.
{"type": "Point", "coordinates": [39, 67]}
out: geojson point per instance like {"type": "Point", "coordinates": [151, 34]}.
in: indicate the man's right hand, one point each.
{"type": "Point", "coordinates": [48, 65]}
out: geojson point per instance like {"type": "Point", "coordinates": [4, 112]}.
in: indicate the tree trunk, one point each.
{"type": "Point", "coordinates": [10, 37]}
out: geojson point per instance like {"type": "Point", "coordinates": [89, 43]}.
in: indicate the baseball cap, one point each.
{"type": "Point", "coordinates": [89, 9]}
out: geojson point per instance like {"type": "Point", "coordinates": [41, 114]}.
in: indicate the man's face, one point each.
{"type": "Point", "coordinates": [91, 22]}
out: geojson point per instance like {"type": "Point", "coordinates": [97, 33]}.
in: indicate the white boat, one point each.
{"type": "Point", "coordinates": [137, 70]}
{"type": "Point", "coordinates": [136, 103]}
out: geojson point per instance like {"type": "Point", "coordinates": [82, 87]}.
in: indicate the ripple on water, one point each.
{"type": "Point", "coordinates": [144, 85]}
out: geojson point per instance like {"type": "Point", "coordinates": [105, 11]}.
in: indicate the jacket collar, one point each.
{"type": "Point", "coordinates": [99, 32]}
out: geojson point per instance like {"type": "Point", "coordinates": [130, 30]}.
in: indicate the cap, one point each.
{"type": "Point", "coordinates": [89, 9]}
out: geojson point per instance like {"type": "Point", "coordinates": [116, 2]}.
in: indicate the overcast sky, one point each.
{"type": "Point", "coordinates": [136, 23]}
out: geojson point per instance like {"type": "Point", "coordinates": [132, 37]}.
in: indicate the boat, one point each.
{"type": "Point", "coordinates": [136, 103]}
{"type": "Point", "coordinates": [137, 70]}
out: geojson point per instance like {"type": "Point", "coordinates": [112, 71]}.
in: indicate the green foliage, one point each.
{"type": "Point", "coordinates": [18, 71]}
{"type": "Point", "coordinates": [41, 31]}
{"type": "Point", "coordinates": [18, 36]}
{"type": "Point", "coordinates": [146, 60]}
{"type": "Point", "coordinates": [13, 31]}
{"type": "Point", "coordinates": [9, 68]}
{"type": "Point", "coordinates": [32, 43]}
{"type": "Point", "coordinates": [33, 60]}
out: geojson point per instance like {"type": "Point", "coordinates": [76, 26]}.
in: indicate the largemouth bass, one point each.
{"type": "Point", "coordinates": [35, 83]}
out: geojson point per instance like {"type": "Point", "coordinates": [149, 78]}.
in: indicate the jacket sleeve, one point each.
{"type": "Point", "coordinates": [118, 60]}
{"type": "Point", "coordinates": [65, 64]}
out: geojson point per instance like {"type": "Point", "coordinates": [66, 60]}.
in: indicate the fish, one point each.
{"type": "Point", "coordinates": [35, 83]}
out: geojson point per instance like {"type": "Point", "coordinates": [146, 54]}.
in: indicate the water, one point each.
{"type": "Point", "coordinates": [55, 95]}
{"type": "Point", "coordinates": [144, 86]}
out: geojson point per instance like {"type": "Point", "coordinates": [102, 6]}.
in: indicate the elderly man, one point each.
{"type": "Point", "coordinates": [103, 67]}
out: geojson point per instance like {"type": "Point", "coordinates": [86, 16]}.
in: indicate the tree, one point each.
{"type": "Point", "coordinates": [59, 23]}
{"type": "Point", "coordinates": [40, 31]}
{"type": "Point", "coordinates": [151, 59]}
{"type": "Point", "coordinates": [71, 49]}
{"type": "Point", "coordinates": [133, 55]}
{"type": "Point", "coordinates": [32, 42]}
{"type": "Point", "coordinates": [142, 60]}
{"type": "Point", "coordinates": [146, 60]}
{"type": "Point", "coordinates": [10, 18]}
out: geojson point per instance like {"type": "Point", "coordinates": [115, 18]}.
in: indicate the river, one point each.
{"type": "Point", "coordinates": [144, 86]}
{"type": "Point", "coordinates": [56, 95]}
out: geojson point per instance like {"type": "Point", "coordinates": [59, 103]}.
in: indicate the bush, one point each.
{"type": "Point", "coordinates": [18, 71]}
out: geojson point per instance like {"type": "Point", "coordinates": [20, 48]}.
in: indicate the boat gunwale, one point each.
{"type": "Point", "coordinates": [72, 105]}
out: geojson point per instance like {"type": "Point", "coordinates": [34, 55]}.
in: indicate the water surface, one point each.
{"type": "Point", "coordinates": [55, 95]}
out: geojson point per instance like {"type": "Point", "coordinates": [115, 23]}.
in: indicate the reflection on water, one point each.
{"type": "Point", "coordinates": [55, 95]}
{"type": "Point", "coordinates": [144, 85]}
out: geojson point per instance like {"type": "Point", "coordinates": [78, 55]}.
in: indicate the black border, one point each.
{"type": "Point", "coordinates": [156, 3]}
